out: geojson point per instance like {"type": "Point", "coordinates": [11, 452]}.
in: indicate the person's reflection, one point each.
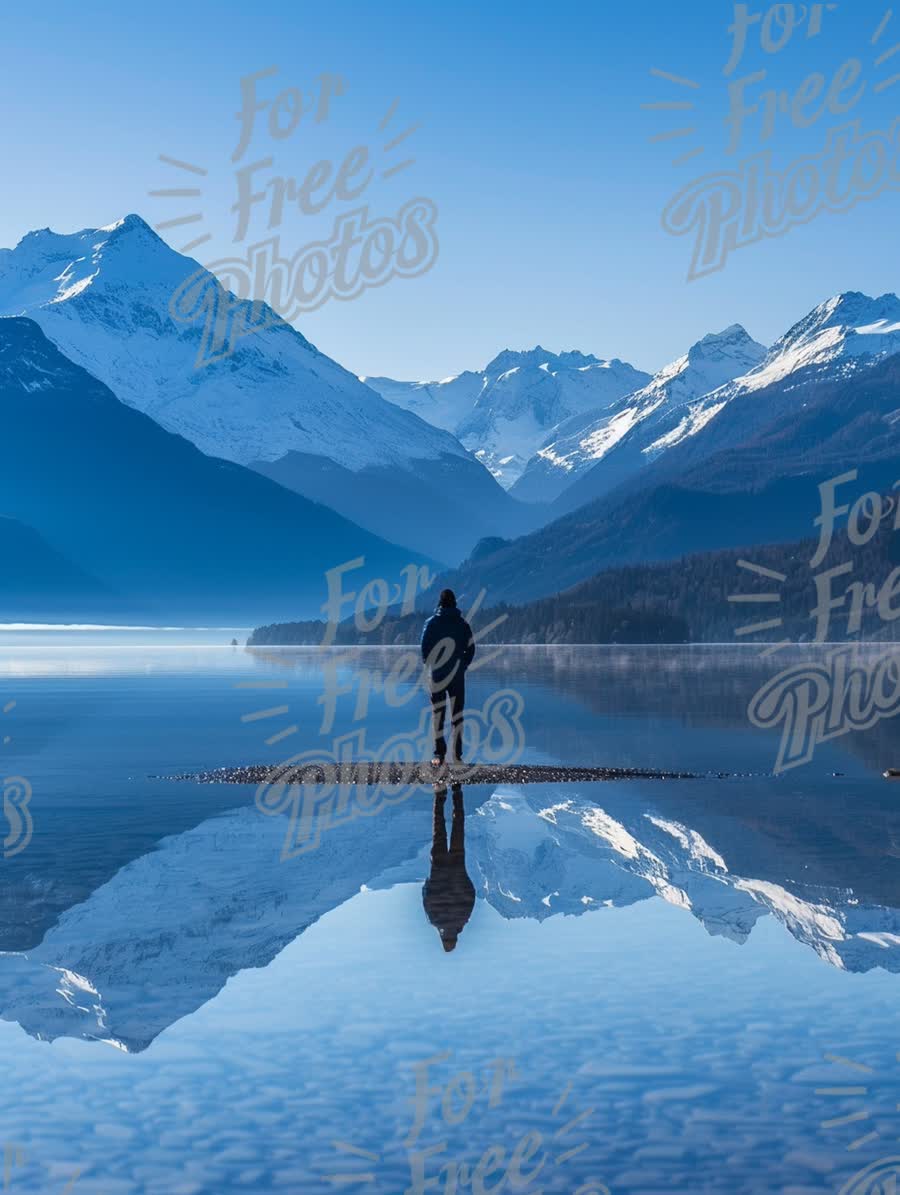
{"type": "Point", "coordinates": [449, 894]}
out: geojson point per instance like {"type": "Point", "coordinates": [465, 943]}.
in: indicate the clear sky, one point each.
{"type": "Point", "coordinates": [533, 145]}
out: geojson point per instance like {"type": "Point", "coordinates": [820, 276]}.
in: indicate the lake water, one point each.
{"type": "Point", "coordinates": [659, 986]}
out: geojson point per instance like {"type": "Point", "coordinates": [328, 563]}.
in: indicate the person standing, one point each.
{"type": "Point", "coordinates": [448, 648]}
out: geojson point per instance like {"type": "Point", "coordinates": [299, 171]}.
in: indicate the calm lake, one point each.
{"type": "Point", "coordinates": [660, 985]}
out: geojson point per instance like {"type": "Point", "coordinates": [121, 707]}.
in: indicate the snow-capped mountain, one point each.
{"type": "Point", "coordinates": [846, 332]}
{"type": "Point", "coordinates": [749, 477]}
{"type": "Point", "coordinates": [841, 336]}
{"type": "Point", "coordinates": [580, 443]}
{"type": "Point", "coordinates": [274, 403]}
{"type": "Point", "coordinates": [844, 335]}
{"type": "Point", "coordinates": [444, 404]}
{"type": "Point", "coordinates": [505, 412]}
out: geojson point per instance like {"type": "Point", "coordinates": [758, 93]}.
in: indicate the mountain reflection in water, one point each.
{"type": "Point", "coordinates": [163, 936]}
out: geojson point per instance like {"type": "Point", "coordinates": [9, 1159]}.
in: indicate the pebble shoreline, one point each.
{"type": "Point", "coordinates": [426, 774]}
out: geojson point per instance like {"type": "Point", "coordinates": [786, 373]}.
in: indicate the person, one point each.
{"type": "Point", "coordinates": [449, 894]}
{"type": "Point", "coordinates": [448, 648]}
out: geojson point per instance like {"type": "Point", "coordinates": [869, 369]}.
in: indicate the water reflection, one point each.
{"type": "Point", "coordinates": [139, 899]}
{"type": "Point", "coordinates": [579, 852]}
{"type": "Point", "coordinates": [164, 935]}
{"type": "Point", "coordinates": [449, 894]}
{"type": "Point", "coordinates": [685, 952]}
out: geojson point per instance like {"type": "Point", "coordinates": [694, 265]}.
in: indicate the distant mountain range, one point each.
{"type": "Point", "coordinates": [561, 429]}
{"type": "Point", "coordinates": [602, 464]}
{"type": "Point", "coordinates": [838, 339]}
{"type": "Point", "coordinates": [505, 411]}
{"type": "Point", "coordinates": [738, 467]}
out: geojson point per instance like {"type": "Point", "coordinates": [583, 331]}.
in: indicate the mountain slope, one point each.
{"type": "Point", "coordinates": [274, 403]}
{"type": "Point", "coordinates": [38, 583]}
{"type": "Point", "coordinates": [164, 525]}
{"type": "Point", "coordinates": [762, 491]}
{"type": "Point", "coordinates": [844, 335]}
{"type": "Point", "coordinates": [581, 442]}
{"type": "Point", "coordinates": [443, 404]}
{"type": "Point", "coordinates": [505, 412]}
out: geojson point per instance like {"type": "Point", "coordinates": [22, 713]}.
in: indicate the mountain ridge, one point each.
{"type": "Point", "coordinates": [731, 491]}
{"type": "Point", "coordinates": [274, 403]}
{"type": "Point", "coordinates": [827, 345]}
{"type": "Point", "coordinates": [505, 411]}
{"type": "Point", "coordinates": [582, 444]}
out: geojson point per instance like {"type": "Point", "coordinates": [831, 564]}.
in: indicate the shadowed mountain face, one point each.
{"type": "Point", "coordinates": [170, 531]}
{"type": "Point", "coordinates": [439, 507]}
{"type": "Point", "coordinates": [165, 933]}
{"type": "Point", "coordinates": [42, 583]}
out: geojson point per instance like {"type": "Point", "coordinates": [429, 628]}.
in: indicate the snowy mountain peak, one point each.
{"type": "Point", "coordinates": [581, 442]}
{"type": "Point", "coordinates": [48, 267]}
{"type": "Point", "coordinates": [832, 339]}
{"type": "Point", "coordinates": [731, 332]}
{"type": "Point", "coordinates": [853, 305]}
{"type": "Point", "coordinates": [538, 356]}
{"type": "Point", "coordinates": [850, 310]}
{"type": "Point", "coordinates": [733, 341]}
{"type": "Point", "coordinates": [840, 336]}
{"type": "Point", "coordinates": [44, 242]}
{"type": "Point", "coordinates": [102, 295]}
{"type": "Point", "coordinates": [130, 223]}
{"type": "Point", "coordinates": [505, 412]}
{"type": "Point", "coordinates": [509, 358]}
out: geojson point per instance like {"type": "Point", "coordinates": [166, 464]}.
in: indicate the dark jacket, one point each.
{"type": "Point", "coordinates": [448, 645]}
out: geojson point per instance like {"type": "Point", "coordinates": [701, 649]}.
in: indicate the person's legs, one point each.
{"type": "Point", "coordinates": [438, 710]}
{"type": "Point", "coordinates": [456, 694]}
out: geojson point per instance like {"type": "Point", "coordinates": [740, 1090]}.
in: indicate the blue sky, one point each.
{"type": "Point", "coordinates": [532, 144]}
